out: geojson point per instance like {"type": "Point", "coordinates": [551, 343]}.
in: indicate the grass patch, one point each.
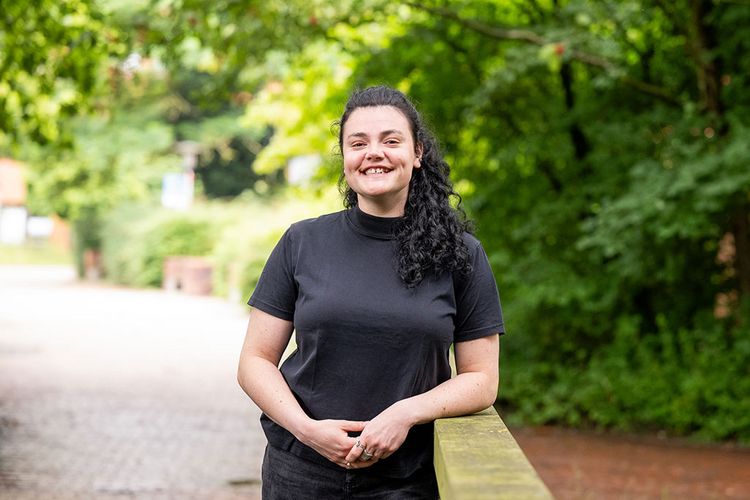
{"type": "Point", "coordinates": [36, 253]}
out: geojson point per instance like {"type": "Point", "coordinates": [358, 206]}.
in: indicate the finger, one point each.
{"type": "Point", "coordinates": [354, 453]}
{"type": "Point", "coordinates": [367, 455]}
{"type": "Point", "coordinates": [354, 465]}
{"type": "Point", "coordinates": [361, 465]}
{"type": "Point", "coordinates": [352, 426]}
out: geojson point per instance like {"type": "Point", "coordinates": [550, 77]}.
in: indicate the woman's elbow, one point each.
{"type": "Point", "coordinates": [239, 377]}
{"type": "Point", "coordinates": [489, 393]}
{"type": "Point", "coordinates": [488, 399]}
{"type": "Point", "coordinates": [243, 372]}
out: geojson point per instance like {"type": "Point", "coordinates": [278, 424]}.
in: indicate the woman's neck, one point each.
{"type": "Point", "coordinates": [381, 208]}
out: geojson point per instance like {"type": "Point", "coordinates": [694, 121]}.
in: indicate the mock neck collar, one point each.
{"type": "Point", "coordinates": [372, 225]}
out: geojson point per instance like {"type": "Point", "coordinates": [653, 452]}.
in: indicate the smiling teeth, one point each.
{"type": "Point", "coordinates": [375, 171]}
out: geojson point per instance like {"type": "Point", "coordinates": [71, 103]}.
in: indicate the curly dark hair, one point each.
{"type": "Point", "coordinates": [430, 235]}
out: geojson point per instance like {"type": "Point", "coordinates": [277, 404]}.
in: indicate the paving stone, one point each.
{"type": "Point", "coordinates": [112, 393]}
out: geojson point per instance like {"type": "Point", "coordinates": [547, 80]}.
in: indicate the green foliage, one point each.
{"type": "Point", "coordinates": [600, 146]}
{"type": "Point", "coordinates": [51, 59]}
{"type": "Point", "coordinates": [114, 159]}
{"type": "Point", "coordinates": [685, 382]}
{"type": "Point", "coordinates": [253, 227]}
{"type": "Point", "coordinates": [236, 236]}
{"type": "Point", "coordinates": [302, 105]}
{"type": "Point", "coordinates": [239, 257]}
{"type": "Point", "coordinates": [602, 170]}
{"type": "Point", "coordinates": [228, 170]}
{"type": "Point", "coordinates": [136, 239]}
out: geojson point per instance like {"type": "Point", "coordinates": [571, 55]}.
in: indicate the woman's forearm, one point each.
{"type": "Point", "coordinates": [265, 385]}
{"type": "Point", "coordinates": [466, 393]}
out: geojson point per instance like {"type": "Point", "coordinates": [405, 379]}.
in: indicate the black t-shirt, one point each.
{"type": "Point", "coordinates": [364, 339]}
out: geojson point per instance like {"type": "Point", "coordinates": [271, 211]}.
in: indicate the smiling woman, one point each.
{"type": "Point", "coordinates": [379, 155]}
{"type": "Point", "coordinates": [377, 294]}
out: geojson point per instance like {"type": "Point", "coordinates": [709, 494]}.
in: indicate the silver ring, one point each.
{"type": "Point", "coordinates": [365, 456]}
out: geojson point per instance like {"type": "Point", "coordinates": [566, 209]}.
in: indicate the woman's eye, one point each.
{"type": "Point", "coordinates": [358, 144]}
{"type": "Point", "coordinates": [391, 141]}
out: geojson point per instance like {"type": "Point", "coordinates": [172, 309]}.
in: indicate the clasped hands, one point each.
{"type": "Point", "coordinates": [379, 438]}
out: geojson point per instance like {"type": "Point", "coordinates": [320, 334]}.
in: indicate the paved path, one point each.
{"type": "Point", "coordinates": [119, 393]}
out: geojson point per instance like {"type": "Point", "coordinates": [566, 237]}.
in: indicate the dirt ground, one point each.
{"type": "Point", "coordinates": [587, 465]}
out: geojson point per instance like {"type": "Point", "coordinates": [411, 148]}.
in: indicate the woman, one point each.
{"type": "Point", "coordinates": [376, 294]}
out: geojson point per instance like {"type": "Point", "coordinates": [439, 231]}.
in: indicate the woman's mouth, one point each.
{"type": "Point", "coordinates": [376, 170]}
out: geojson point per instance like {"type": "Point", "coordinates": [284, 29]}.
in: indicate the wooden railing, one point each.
{"type": "Point", "coordinates": [477, 458]}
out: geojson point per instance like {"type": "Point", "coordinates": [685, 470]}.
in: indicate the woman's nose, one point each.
{"type": "Point", "coordinates": [374, 151]}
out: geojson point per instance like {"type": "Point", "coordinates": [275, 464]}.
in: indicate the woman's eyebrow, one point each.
{"type": "Point", "coordinates": [391, 132]}
{"type": "Point", "coordinates": [382, 134]}
{"type": "Point", "coordinates": [357, 134]}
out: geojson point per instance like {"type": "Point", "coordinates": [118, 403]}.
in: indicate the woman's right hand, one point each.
{"type": "Point", "coordinates": [330, 438]}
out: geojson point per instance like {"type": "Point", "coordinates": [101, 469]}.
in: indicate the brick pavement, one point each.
{"type": "Point", "coordinates": [117, 393]}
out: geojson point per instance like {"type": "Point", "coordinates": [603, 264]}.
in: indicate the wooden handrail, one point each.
{"type": "Point", "coordinates": [477, 458]}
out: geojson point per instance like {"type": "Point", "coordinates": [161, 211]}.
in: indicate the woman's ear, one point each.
{"type": "Point", "coordinates": [418, 160]}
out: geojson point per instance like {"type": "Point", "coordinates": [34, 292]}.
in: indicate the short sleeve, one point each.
{"type": "Point", "coordinates": [478, 310]}
{"type": "Point", "coordinates": [276, 291]}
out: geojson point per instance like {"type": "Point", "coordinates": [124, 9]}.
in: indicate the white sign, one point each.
{"type": "Point", "coordinates": [301, 169]}
{"type": "Point", "coordinates": [12, 225]}
{"type": "Point", "coordinates": [177, 190]}
{"type": "Point", "coordinates": [39, 227]}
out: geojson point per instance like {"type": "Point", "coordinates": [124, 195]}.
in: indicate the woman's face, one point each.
{"type": "Point", "coordinates": [379, 155]}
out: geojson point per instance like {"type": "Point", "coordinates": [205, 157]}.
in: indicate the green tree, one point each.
{"type": "Point", "coordinates": [601, 148]}
{"type": "Point", "coordinates": [52, 56]}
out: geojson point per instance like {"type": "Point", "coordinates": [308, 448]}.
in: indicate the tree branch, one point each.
{"type": "Point", "coordinates": [480, 27]}
{"type": "Point", "coordinates": [461, 50]}
{"type": "Point", "coordinates": [527, 36]}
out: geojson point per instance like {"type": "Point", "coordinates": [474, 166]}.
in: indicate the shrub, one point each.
{"type": "Point", "coordinates": [692, 382]}
{"type": "Point", "coordinates": [237, 236]}
{"type": "Point", "coordinates": [136, 240]}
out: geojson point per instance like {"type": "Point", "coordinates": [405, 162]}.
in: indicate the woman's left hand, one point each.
{"type": "Point", "coordinates": [382, 435]}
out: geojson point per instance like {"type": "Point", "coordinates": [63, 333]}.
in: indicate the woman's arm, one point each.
{"type": "Point", "coordinates": [258, 375]}
{"type": "Point", "coordinates": [472, 390]}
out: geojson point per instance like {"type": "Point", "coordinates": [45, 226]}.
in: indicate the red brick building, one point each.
{"type": "Point", "coordinates": [13, 213]}
{"type": "Point", "coordinates": [12, 185]}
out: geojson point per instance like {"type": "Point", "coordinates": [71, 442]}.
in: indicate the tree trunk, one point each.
{"type": "Point", "coordinates": [708, 74]}
{"type": "Point", "coordinates": [741, 232]}
{"type": "Point", "coordinates": [577, 137]}
{"type": "Point", "coordinates": [707, 68]}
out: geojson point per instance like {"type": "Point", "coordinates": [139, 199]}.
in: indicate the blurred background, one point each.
{"type": "Point", "coordinates": [601, 147]}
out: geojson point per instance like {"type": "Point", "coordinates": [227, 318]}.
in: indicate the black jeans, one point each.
{"type": "Point", "coordinates": [288, 477]}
